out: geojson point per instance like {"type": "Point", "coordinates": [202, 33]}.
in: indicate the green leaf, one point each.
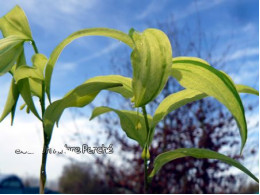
{"type": "Point", "coordinates": [247, 89]}
{"type": "Point", "coordinates": [24, 88]}
{"type": "Point", "coordinates": [34, 74]}
{"type": "Point", "coordinates": [166, 157]}
{"type": "Point", "coordinates": [132, 123]}
{"type": "Point", "coordinates": [181, 98]}
{"type": "Point", "coordinates": [192, 60]}
{"type": "Point", "coordinates": [15, 23]}
{"type": "Point", "coordinates": [36, 87]}
{"type": "Point", "coordinates": [25, 71]}
{"type": "Point", "coordinates": [78, 97]}
{"type": "Point", "coordinates": [201, 77]}
{"type": "Point", "coordinates": [11, 102]}
{"type": "Point", "coordinates": [10, 50]}
{"type": "Point", "coordinates": [85, 32]}
{"type": "Point", "coordinates": [151, 61]}
{"type": "Point", "coordinates": [125, 90]}
{"type": "Point", "coordinates": [39, 61]}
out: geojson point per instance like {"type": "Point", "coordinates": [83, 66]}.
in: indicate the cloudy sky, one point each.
{"type": "Point", "coordinates": [230, 22]}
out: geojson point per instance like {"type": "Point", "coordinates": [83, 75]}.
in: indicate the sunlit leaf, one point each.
{"type": "Point", "coordinates": [15, 23]}
{"type": "Point", "coordinates": [34, 74]}
{"type": "Point", "coordinates": [36, 87]}
{"type": "Point", "coordinates": [10, 50]}
{"type": "Point", "coordinates": [24, 88]}
{"type": "Point", "coordinates": [183, 97]}
{"type": "Point", "coordinates": [201, 77]}
{"type": "Point", "coordinates": [246, 89]}
{"type": "Point", "coordinates": [24, 71]}
{"type": "Point", "coordinates": [151, 61]}
{"type": "Point", "coordinates": [78, 97]}
{"type": "Point", "coordinates": [193, 60]}
{"type": "Point", "coordinates": [39, 61]}
{"type": "Point", "coordinates": [125, 90]}
{"type": "Point", "coordinates": [132, 123]}
{"type": "Point", "coordinates": [166, 157]}
{"type": "Point", "coordinates": [11, 102]}
{"type": "Point", "coordinates": [85, 32]}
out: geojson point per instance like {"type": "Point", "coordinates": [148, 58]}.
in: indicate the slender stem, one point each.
{"type": "Point", "coordinates": [145, 172]}
{"type": "Point", "coordinates": [43, 167]}
{"type": "Point", "coordinates": [35, 47]}
{"type": "Point", "coordinates": [45, 145]}
{"type": "Point", "coordinates": [46, 139]}
{"type": "Point", "coordinates": [146, 150]}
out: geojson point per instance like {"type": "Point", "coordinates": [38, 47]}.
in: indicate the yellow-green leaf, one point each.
{"type": "Point", "coordinates": [201, 77]}
{"type": "Point", "coordinates": [132, 123]}
{"type": "Point", "coordinates": [11, 101]}
{"type": "Point", "coordinates": [36, 87]}
{"type": "Point", "coordinates": [246, 89]}
{"type": "Point", "coordinates": [10, 50]}
{"type": "Point", "coordinates": [85, 32]}
{"type": "Point", "coordinates": [78, 97]}
{"type": "Point", "coordinates": [125, 90]}
{"type": "Point", "coordinates": [183, 97]}
{"type": "Point", "coordinates": [24, 88]}
{"type": "Point", "coordinates": [151, 61]}
{"type": "Point", "coordinates": [15, 23]}
{"type": "Point", "coordinates": [39, 61]}
{"type": "Point", "coordinates": [166, 157]}
{"type": "Point", "coordinates": [24, 71]}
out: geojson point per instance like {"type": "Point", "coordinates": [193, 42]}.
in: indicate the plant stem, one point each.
{"type": "Point", "coordinates": [45, 138]}
{"type": "Point", "coordinates": [45, 145]}
{"type": "Point", "coordinates": [43, 167]}
{"type": "Point", "coordinates": [146, 187]}
{"type": "Point", "coordinates": [35, 47]}
{"type": "Point", "coordinates": [145, 172]}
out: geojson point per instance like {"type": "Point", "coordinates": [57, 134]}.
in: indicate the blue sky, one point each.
{"type": "Point", "coordinates": [232, 22]}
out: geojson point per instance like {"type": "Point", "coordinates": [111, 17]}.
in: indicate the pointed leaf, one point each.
{"type": "Point", "coordinates": [151, 61]}
{"type": "Point", "coordinates": [10, 49]}
{"type": "Point", "coordinates": [39, 61]}
{"type": "Point", "coordinates": [181, 98]}
{"type": "Point", "coordinates": [36, 87]}
{"type": "Point", "coordinates": [11, 101]}
{"type": "Point", "coordinates": [15, 23]}
{"type": "Point", "coordinates": [132, 123]}
{"type": "Point", "coordinates": [166, 157]}
{"type": "Point", "coordinates": [246, 89]}
{"type": "Point", "coordinates": [198, 76]}
{"type": "Point", "coordinates": [125, 90]}
{"type": "Point", "coordinates": [85, 32]}
{"type": "Point", "coordinates": [24, 71]}
{"type": "Point", "coordinates": [24, 88]}
{"type": "Point", "coordinates": [191, 60]}
{"type": "Point", "coordinates": [78, 97]}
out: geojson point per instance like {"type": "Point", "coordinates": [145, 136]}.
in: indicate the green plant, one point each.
{"type": "Point", "coordinates": [152, 64]}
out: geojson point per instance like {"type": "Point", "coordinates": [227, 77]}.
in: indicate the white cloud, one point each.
{"type": "Point", "coordinates": [196, 7]}
{"type": "Point", "coordinates": [244, 76]}
{"type": "Point", "coordinates": [247, 52]}
{"type": "Point", "coordinates": [49, 14]}
{"type": "Point", "coordinates": [152, 7]}
{"type": "Point", "coordinates": [104, 51]}
{"type": "Point", "coordinates": [66, 66]}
